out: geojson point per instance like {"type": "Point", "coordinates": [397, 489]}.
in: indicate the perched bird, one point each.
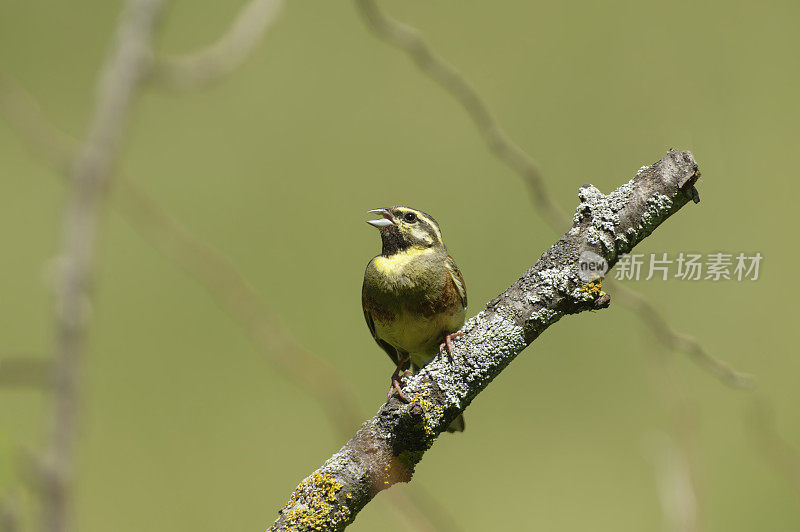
{"type": "Point", "coordinates": [414, 296]}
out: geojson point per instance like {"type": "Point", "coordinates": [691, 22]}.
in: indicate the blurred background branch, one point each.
{"type": "Point", "coordinates": [501, 145]}
{"type": "Point", "coordinates": [226, 54]}
{"type": "Point", "coordinates": [217, 274]}
{"type": "Point", "coordinates": [9, 514]}
{"type": "Point", "coordinates": [783, 455]}
{"type": "Point", "coordinates": [24, 372]}
{"type": "Point", "coordinates": [676, 491]}
{"type": "Point", "coordinates": [90, 174]}
{"type": "Point", "coordinates": [673, 451]}
{"type": "Point", "coordinates": [677, 341]}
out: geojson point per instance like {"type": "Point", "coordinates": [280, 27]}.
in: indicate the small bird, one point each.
{"type": "Point", "coordinates": [414, 296]}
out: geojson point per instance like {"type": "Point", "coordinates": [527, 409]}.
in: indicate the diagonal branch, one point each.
{"type": "Point", "coordinates": [387, 447]}
{"type": "Point", "coordinates": [509, 152]}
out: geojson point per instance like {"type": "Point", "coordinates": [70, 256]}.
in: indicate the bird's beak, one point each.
{"type": "Point", "coordinates": [386, 221]}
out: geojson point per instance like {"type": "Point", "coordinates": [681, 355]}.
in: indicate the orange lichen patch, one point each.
{"type": "Point", "coordinates": [593, 288]}
{"type": "Point", "coordinates": [312, 504]}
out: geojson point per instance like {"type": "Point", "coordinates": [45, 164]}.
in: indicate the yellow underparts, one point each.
{"type": "Point", "coordinates": [394, 264]}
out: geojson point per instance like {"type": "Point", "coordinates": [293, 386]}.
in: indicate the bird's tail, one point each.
{"type": "Point", "coordinates": [457, 425]}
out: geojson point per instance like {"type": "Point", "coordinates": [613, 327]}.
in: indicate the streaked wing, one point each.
{"type": "Point", "coordinates": [458, 279]}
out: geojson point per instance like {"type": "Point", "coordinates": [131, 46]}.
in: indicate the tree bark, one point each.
{"type": "Point", "coordinates": [387, 447]}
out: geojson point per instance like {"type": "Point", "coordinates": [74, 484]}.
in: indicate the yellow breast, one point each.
{"type": "Point", "coordinates": [394, 265]}
{"type": "Point", "coordinates": [407, 295]}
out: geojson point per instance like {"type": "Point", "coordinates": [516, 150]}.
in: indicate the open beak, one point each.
{"type": "Point", "coordinates": [386, 221]}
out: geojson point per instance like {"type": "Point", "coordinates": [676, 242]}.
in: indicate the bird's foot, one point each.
{"type": "Point", "coordinates": [448, 344]}
{"type": "Point", "coordinates": [395, 387]}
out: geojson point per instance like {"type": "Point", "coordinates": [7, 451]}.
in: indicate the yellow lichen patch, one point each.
{"type": "Point", "coordinates": [387, 473]}
{"type": "Point", "coordinates": [592, 288]}
{"type": "Point", "coordinates": [310, 508]}
{"type": "Point", "coordinates": [433, 412]}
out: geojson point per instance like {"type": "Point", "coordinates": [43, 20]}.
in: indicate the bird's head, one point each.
{"type": "Point", "coordinates": [403, 228]}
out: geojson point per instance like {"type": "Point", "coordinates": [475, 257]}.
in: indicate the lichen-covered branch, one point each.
{"type": "Point", "coordinates": [387, 447]}
{"type": "Point", "coordinates": [504, 148]}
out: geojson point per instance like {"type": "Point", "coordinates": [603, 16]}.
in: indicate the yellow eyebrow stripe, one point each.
{"type": "Point", "coordinates": [427, 219]}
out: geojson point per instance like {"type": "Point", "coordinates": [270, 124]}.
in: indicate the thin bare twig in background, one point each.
{"type": "Point", "coordinates": [678, 341]}
{"type": "Point", "coordinates": [219, 276]}
{"type": "Point", "coordinates": [783, 455]}
{"type": "Point", "coordinates": [504, 148]}
{"type": "Point", "coordinates": [9, 515]}
{"type": "Point", "coordinates": [675, 485]}
{"type": "Point", "coordinates": [409, 40]}
{"type": "Point", "coordinates": [24, 372]}
{"type": "Point", "coordinates": [674, 452]}
{"type": "Point", "coordinates": [235, 295]}
{"type": "Point", "coordinates": [212, 269]}
{"type": "Point", "coordinates": [119, 80]}
{"type": "Point", "coordinates": [420, 500]}
{"type": "Point", "coordinates": [203, 67]}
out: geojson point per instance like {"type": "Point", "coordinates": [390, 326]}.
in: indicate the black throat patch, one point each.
{"type": "Point", "coordinates": [393, 241]}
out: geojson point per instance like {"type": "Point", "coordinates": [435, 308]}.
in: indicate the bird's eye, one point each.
{"type": "Point", "coordinates": [410, 217]}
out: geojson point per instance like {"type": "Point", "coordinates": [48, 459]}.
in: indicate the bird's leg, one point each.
{"type": "Point", "coordinates": [448, 343]}
{"type": "Point", "coordinates": [396, 382]}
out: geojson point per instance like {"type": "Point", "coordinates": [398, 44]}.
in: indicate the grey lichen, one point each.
{"type": "Point", "coordinates": [488, 340]}
{"type": "Point", "coordinates": [554, 279]}
{"type": "Point", "coordinates": [603, 213]}
{"type": "Point", "coordinates": [657, 205]}
{"type": "Point", "coordinates": [543, 317]}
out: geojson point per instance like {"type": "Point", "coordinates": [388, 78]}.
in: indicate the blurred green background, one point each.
{"type": "Point", "coordinates": [186, 426]}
